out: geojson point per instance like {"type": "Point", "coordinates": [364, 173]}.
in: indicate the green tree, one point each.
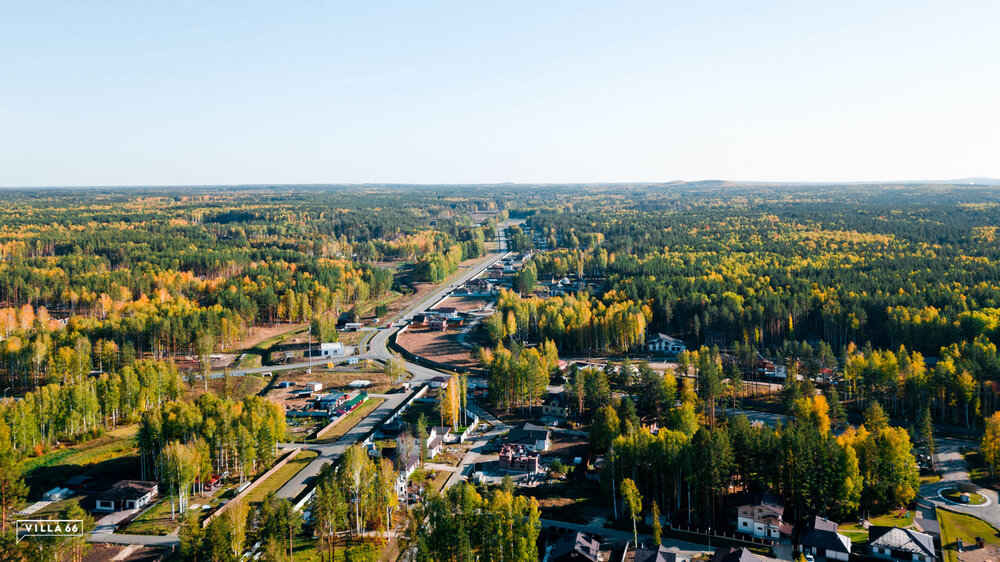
{"type": "Point", "coordinates": [236, 516]}
{"type": "Point", "coordinates": [217, 543]}
{"type": "Point", "coordinates": [633, 505]}
{"type": "Point", "coordinates": [990, 444]}
{"type": "Point", "coordinates": [192, 537]}
{"type": "Point", "coordinates": [12, 486]}
{"type": "Point", "coordinates": [657, 530]}
{"type": "Point", "coordinates": [604, 429]}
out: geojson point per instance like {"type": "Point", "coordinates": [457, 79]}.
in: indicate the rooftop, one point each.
{"type": "Point", "coordinates": [903, 540]}
{"type": "Point", "coordinates": [127, 490]}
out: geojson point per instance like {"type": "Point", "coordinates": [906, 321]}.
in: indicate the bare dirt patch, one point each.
{"type": "Point", "coordinates": [465, 304]}
{"type": "Point", "coordinates": [441, 347]}
{"type": "Point", "coordinates": [238, 387]}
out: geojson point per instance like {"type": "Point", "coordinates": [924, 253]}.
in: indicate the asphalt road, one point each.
{"type": "Point", "coordinates": [146, 540]}
{"type": "Point", "coordinates": [377, 350]}
{"type": "Point", "coordinates": [377, 342]}
{"type": "Point", "coordinates": [954, 470]}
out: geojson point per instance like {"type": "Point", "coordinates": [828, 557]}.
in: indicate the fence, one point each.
{"type": "Point", "coordinates": [698, 535]}
{"type": "Point", "coordinates": [274, 468]}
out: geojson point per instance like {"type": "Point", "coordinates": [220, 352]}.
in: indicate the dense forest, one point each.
{"type": "Point", "coordinates": [896, 287]}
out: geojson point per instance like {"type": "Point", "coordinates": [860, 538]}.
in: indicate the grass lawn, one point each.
{"type": "Point", "coordinates": [106, 447]}
{"type": "Point", "coordinates": [891, 520]}
{"type": "Point", "coordinates": [955, 495]}
{"type": "Point", "coordinates": [956, 526]}
{"type": "Point", "coordinates": [108, 454]}
{"type": "Point", "coordinates": [855, 532]}
{"type": "Point", "coordinates": [282, 475]}
{"type": "Point", "coordinates": [349, 421]}
{"type": "Point", "coordinates": [859, 535]}
{"type": "Point", "coordinates": [930, 479]}
{"type": "Point", "coordinates": [430, 479]}
{"type": "Point", "coordinates": [155, 520]}
{"type": "Point", "coordinates": [248, 361]}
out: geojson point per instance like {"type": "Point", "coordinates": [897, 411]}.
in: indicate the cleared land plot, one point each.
{"type": "Point", "coordinates": [465, 304]}
{"type": "Point", "coordinates": [440, 347]}
{"type": "Point", "coordinates": [238, 387]}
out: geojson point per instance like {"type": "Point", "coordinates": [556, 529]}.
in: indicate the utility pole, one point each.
{"type": "Point", "coordinates": [310, 349]}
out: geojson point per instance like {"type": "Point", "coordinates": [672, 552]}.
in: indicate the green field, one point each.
{"type": "Point", "coordinates": [155, 520]}
{"type": "Point", "coordinates": [282, 475]}
{"type": "Point", "coordinates": [956, 526]}
{"type": "Point", "coordinates": [107, 456]}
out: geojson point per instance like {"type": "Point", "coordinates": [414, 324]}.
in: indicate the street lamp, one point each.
{"type": "Point", "coordinates": [309, 351]}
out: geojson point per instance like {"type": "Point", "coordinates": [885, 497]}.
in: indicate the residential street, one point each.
{"type": "Point", "coordinates": [954, 470]}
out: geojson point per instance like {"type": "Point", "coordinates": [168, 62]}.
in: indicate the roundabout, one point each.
{"type": "Point", "coordinates": [955, 496]}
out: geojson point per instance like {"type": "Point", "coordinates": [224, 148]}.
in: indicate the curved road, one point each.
{"type": "Point", "coordinates": [377, 350]}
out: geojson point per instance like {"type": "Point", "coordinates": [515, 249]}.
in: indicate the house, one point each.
{"type": "Point", "coordinates": [406, 468]}
{"type": "Point", "coordinates": [735, 555]}
{"type": "Point", "coordinates": [126, 495]}
{"type": "Point", "coordinates": [418, 319]}
{"type": "Point", "coordinates": [574, 547]}
{"type": "Point", "coordinates": [818, 536]}
{"type": "Point", "coordinates": [554, 406]}
{"type": "Point", "coordinates": [761, 519]}
{"type": "Point", "coordinates": [530, 436]}
{"type": "Point", "coordinates": [659, 554]}
{"type": "Point", "coordinates": [480, 286]}
{"type": "Point", "coordinates": [348, 406]}
{"type": "Point", "coordinates": [332, 349]}
{"type": "Point", "coordinates": [314, 386]}
{"type": "Point", "coordinates": [353, 326]}
{"type": "Point", "coordinates": [650, 424]}
{"type": "Point", "coordinates": [662, 343]}
{"type": "Point", "coordinates": [437, 323]}
{"type": "Point", "coordinates": [211, 482]}
{"type": "Point", "coordinates": [440, 382]}
{"type": "Point", "coordinates": [444, 432]}
{"type": "Point", "coordinates": [893, 543]}
{"type": "Point", "coordinates": [495, 274]}
{"type": "Point", "coordinates": [435, 443]}
{"type": "Point", "coordinates": [518, 459]}
{"type": "Point", "coordinates": [329, 402]}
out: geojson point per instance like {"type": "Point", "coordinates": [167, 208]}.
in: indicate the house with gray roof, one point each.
{"type": "Point", "coordinates": [894, 543]}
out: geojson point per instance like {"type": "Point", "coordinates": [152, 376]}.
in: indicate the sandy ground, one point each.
{"type": "Point", "coordinates": [465, 304]}
{"type": "Point", "coordinates": [333, 381]}
{"type": "Point", "coordinates": [442, 347]}
{"type": "Point", "coordinates": [261, 333]}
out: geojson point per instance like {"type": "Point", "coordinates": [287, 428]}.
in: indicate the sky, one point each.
{"type": "Point", "coordinates": [197, 92]}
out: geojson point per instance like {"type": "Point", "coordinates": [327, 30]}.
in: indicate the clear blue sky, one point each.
{"type": "Point", "coordinates": [145, 92]}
